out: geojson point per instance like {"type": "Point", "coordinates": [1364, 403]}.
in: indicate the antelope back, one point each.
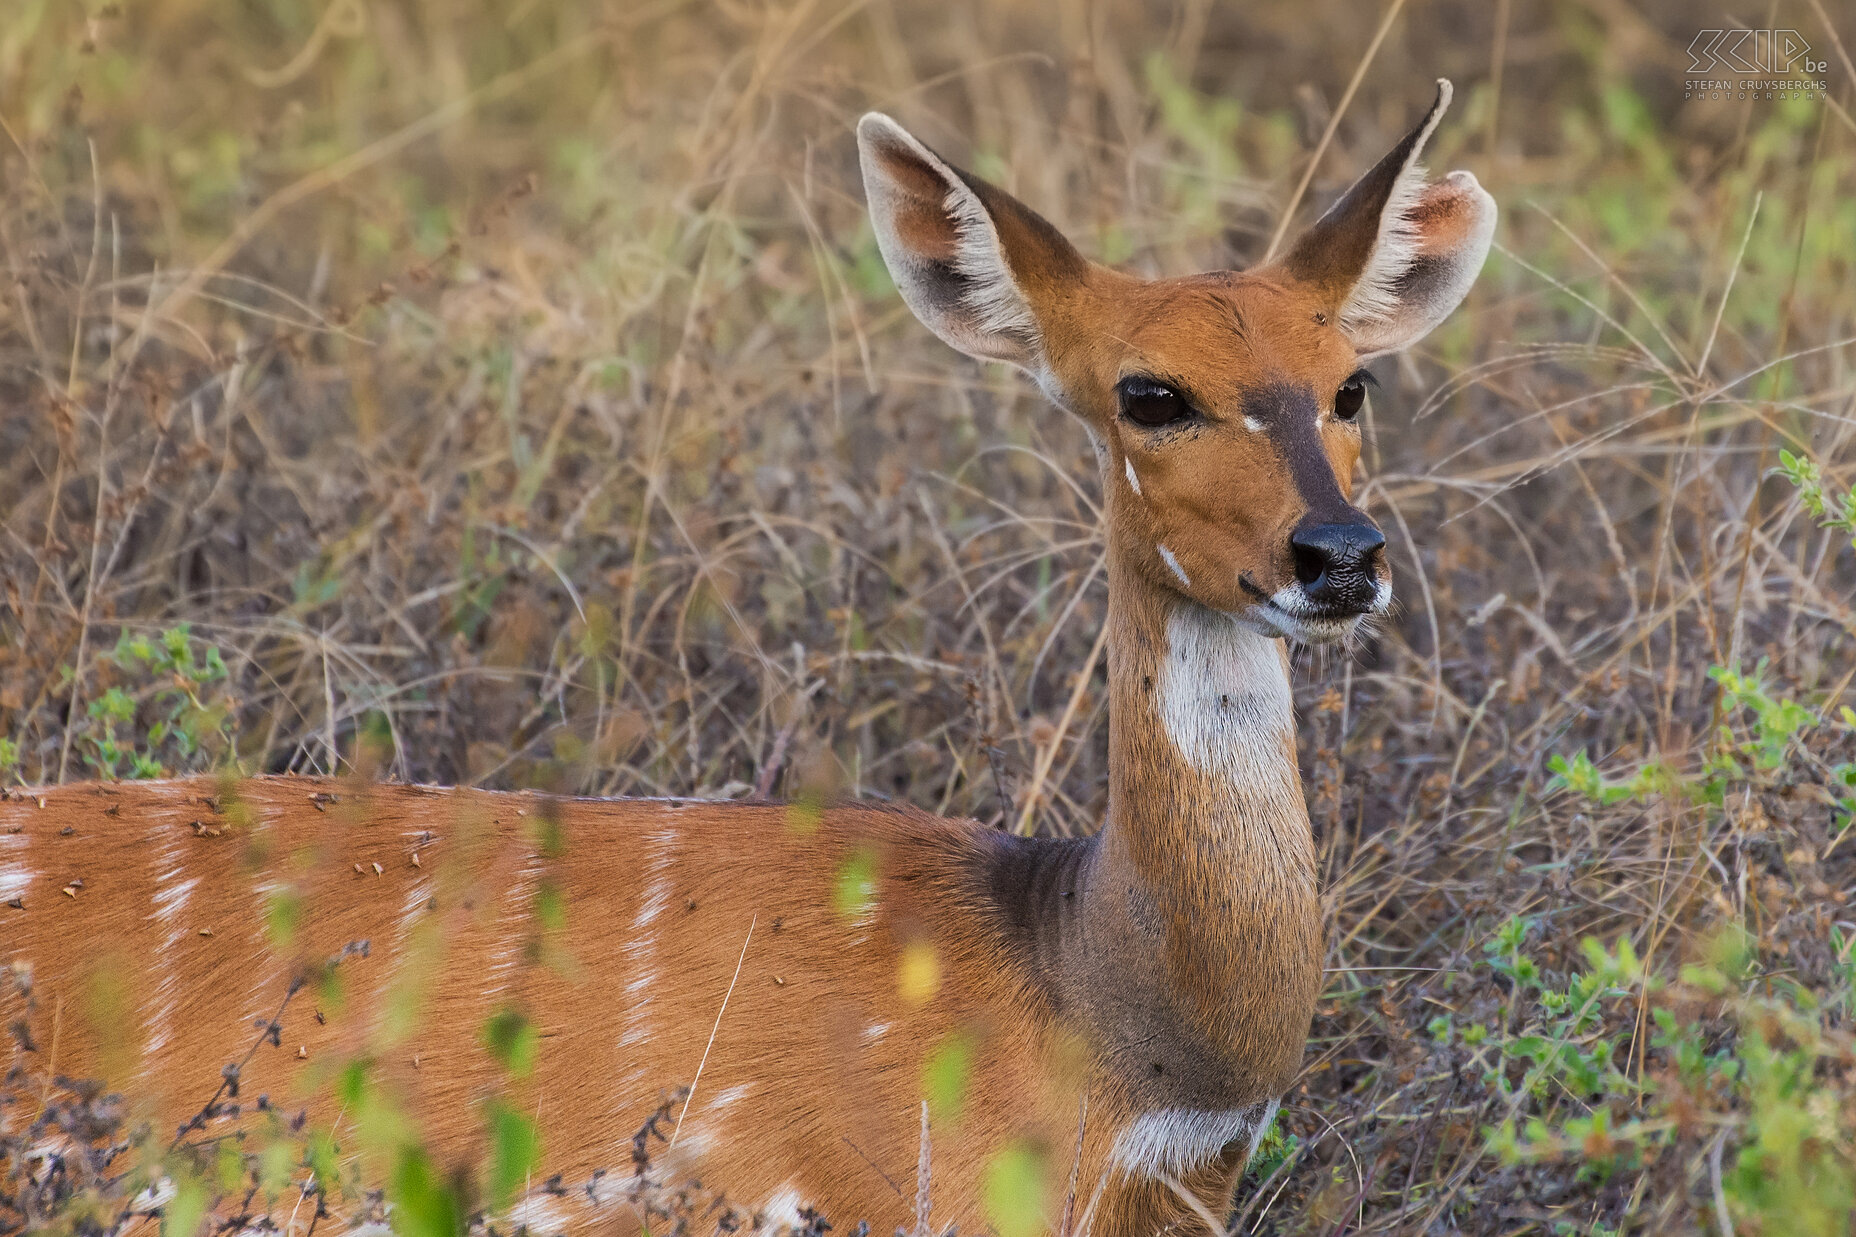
{"type": "Point", "coordinates": [751, 953]}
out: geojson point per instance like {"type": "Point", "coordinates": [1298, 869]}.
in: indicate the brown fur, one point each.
{"type": "Point", "coordinates": [812, 981]}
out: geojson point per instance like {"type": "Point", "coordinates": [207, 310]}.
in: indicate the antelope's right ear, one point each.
{"type": "Point", "coordinates": [1396, 253]}
{"type": "Point", "coordinates": [971, 261]}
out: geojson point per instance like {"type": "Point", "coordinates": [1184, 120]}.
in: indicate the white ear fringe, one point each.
{"type": "Point", "coordinates": [1374, 299]}
{"type": "Point", "coordinates": [991, 292]}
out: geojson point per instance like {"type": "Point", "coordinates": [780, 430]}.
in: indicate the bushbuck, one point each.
{"type": "Point", "coordinates": [1125, 1009]}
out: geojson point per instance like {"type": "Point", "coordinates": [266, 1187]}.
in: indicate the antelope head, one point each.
{"type": "Point", "coordinates": [1224, 406]}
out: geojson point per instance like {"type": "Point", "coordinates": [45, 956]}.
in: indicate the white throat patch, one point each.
{"type": "Point", "coordinates": [1224, 699]}
{"type": "Point", "coordinates": [1174, 1141]}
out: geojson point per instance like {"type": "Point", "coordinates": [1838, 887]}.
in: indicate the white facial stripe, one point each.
{"type": "Point", "coordinates": [1134, 482]}
{"type": "Point", "coordinates": [1172, 562]}
{"type": "Point", "coordinates": [1175, 1141]}
{"type": "Point", "coordinates": [1253, 425]}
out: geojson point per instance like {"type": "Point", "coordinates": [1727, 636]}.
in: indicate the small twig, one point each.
{"type": "Point", "coordinates": [1714, 1179]}
{"type": "Point", "coordinates": [887, 1179]}
{"type": "Point", "coordinates": [922, 1178]}
{"type": "Point", "coordinates": [1048, 755]}
{"type": "Point", "coordinates": [770, 772]}
{"type": "Point", "coordinates": [678, 1128]}
{"type": "Point", "coordinates": [1076, 1167]}
{"type": "Point", "coordinates": [1327, 135]}
{"type": "Point", "coordinates": [1197, 1205]}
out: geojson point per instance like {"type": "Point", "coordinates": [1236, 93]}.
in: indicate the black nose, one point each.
{"type": "Point", "coordinates": [1337, 564]}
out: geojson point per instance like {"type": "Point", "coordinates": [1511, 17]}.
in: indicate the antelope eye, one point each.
{"type": "Point", "coordinates": [1351, 396]}
{"type": "Point", "coordinates": [1150, 403]}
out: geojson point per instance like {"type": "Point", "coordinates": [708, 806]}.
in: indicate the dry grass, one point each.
{"type": "Point", "coordinates": [513, 394]}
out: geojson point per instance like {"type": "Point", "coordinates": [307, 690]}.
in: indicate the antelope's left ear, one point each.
{"type": "Point", "coordinates": [1395, 255]}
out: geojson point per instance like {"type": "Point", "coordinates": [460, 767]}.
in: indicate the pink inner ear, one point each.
{"type": "Point", "coordinates": [1444, 214]}
{"type": "Point", "coordinates": [921, 220]}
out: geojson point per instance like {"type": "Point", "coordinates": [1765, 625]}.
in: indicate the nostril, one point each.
{"type": "Point", "coordinates": [1311, 561]}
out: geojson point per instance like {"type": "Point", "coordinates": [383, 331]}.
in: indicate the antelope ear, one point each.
{"type": "Point", "coordinates": [1395, 255]}
{"type": "Point", "coordinates": [971, 261]}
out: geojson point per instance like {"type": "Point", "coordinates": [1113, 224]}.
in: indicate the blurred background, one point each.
{"type": "Point", "coordinates": [511, 394]}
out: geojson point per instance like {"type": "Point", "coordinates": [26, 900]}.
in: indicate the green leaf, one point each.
{"type": "Point", "coordinates": [853, 894]}
{"type": "Point", "coordinates": [515, 1150]}
{"type": "Point", "coordinates": [550, 907]}
{"type": "Point", "coordinates": [114, 705]}
{"type": "Point", "coordinates": [944, 1076]}
{"type": "Point", "coordinates": [1014, 1190]}
{"type": "Point", "coordinates": [229, 1167]}
{"type": "Point", "coordinates": [276, 1166]}
{"type": "Point", "coordinates": [284, 916]}
{"type": "Point", "coordinates": [186, 1211]}
{"type": "Point", "coordinates": [513, 1040]}
{"type": "Point", "coordinates": [424, 1204]}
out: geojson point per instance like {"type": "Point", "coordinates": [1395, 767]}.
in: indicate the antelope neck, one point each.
{"type": "Point", "coordinates": [1183, 940]}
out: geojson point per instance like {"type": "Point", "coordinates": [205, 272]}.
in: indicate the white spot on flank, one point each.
{"type": "Point", "coordinates": [1253, 425]}
{"type": "Point", "coordinates": [1134, 482]}
{"type": "Point", "coordinates": [506, 956]}
{"type": "Point", "coordinates": [657, 893]}
{"type": "Point", "coordinates": [1174, 1141]}
{"type": "Point", "coordinates": [173, 891]}
{"type": "Point", "coordinates": [541, 1215]}
{"type": "Point", "coordinates": [782, 1210]}
{"type": "Point", "coordinates": [171, 900]}
{"type": "Point", "coordinates": [1172, 562]}
{"type": "Point", "coordinates": [640, 949]}
{"type": "Point", "coordinates": [15, 874]}
{"type": "Point", "coordinates": [413, 905]}
{"type": "Point", "coordinates": [693, 1145]}
{"type": "Point", "coordinates": [1224, 699]}
{"type": "Point", "coordinates": [728, 1097]}
{"type": "Point", "coordinates": [875, 1031]}
{"type": "Point", "coordinates": [155, 1196]}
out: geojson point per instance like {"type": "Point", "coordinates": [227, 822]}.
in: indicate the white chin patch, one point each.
{"type": "Point", "coordinates": [1290, 614]}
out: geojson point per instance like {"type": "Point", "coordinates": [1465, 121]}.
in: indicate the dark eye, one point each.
{"type": "Point", "coordinates": [1150, 403]}
{"type": "Point", "coordinates": [1350, 397]}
